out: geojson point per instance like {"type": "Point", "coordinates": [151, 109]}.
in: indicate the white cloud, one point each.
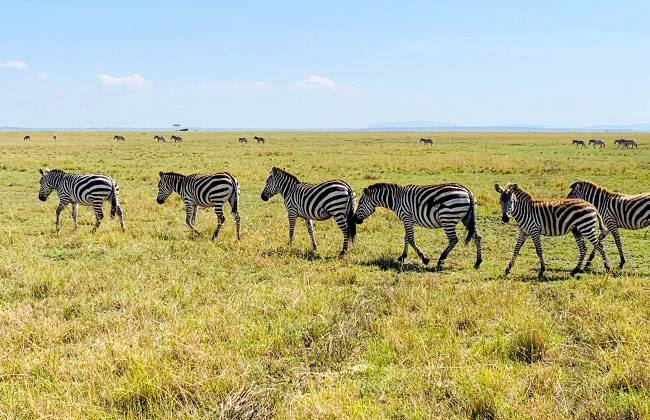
{"type": "Point", "coordinates": [315, 82]}
{"type": "Point", "coordinates": [43, 75]}
{"type": "Point", "coordinates": [132, 81]}
{"type": "Point", "coordinates": [15, 64]}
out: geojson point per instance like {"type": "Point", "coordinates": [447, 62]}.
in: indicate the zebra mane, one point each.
{"type": "Point", "coordinates": [516, 187]}
{"type": "Point", "coordinates": [379, 187]}
{"type": "Point", "coordinates": [56, 171]}
{"type": "Point", "coordinates": [172, 174]}
{"type": "Point", "coordinates": [285, 173]}
{"type": "Point", "coordinates": [591, 185]}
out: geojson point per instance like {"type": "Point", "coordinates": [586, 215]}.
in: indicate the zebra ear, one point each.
{"type": "Point", "coordinates": [498, 188]}
{"type": "Point", "coordinates": [160, 174]}
{"type": "Point", "coordinates": [515, 186]}
{"type": "Point", "coordinates": [41, 171]}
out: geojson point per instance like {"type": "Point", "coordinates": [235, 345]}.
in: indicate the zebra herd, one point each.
{"type": "Point", "coordinates": [624, 143]}
{"type": "Point", "coordinates": [258, 139]}
{"type": "Point", "coordinates": [28, 137]}
{"type": "Point", "coordinates": [430, 206]}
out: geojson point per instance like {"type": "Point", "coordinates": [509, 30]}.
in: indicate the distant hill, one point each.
{"type": "Point", "coordinates": [409, 124]}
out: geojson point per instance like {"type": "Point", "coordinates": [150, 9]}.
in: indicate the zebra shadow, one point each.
{"type": "Point", "coordinates": [561, 274]}
{"type": "Point", "coordinates": [391, 264]}
{"type": "Point", "coordinates": [307, 254]}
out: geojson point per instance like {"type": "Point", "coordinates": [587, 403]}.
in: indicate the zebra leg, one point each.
{"type": "Point", "coordinates": [190, 210]}
{"type": "Point", "coordinates": [99, 214]}
{"type": "Point", "coordinates": [218, 209]}
{"type": "Point", "coordinates": [599, 246]}
{"type": "Point", "coordinates": [120, 214]}
{"type": "Point", "coordinates": [74, 214]}
{"type": "Point", "coordinates": [520, 242]}
{"type": "Point", "coordinates": [310, 229]}
{"type": "Point", "coordinates": [453, 240]}
{"type": "Point", "coordinates": [537, 240]}
{"type": "Point", "coordinates": [238, 224]}
{"type": "Point", "coordinates": [59, 209]}
{"type": "Point", "coordinates": [582, 248]}
{"type": "Point", "coordinates": [593, 251]}
{"type": "Point", "coordinates": [479, 258]}
{"type": "Point", "coordinates": [194, 213]}
{"type": "Point", "coordinates": [619, 245]}
{"type": "Point", "coordinates": [343, 225]}
{"type": "Point", "coordinates": [292, 225]}
{"type": "Point", "coordinates": [409, 239]}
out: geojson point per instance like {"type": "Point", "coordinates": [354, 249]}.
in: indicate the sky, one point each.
{"type": "Point", "coordinates": [333, 64]}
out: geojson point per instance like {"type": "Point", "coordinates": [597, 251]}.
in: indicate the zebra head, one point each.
{"type": "Point", "coordinates": [367, 206]}
{"type": "Point", "coordinates": [507, 200]}
{"type": "Point", "coordinates": [165, 187]}
{"type": "Point", "coordinates": [577, 189]}
{"type": "Point", "coordinates": [47, 184]}
{"type": "Point", "coordinates": [272, 186]}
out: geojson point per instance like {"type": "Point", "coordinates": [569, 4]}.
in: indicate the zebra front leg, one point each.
{"type": "Point", "coordinates": [59, 209]}
{"type": "Point", "coordinates": [74, 214]}
{"type": "Point", "coordinates": [218, 209]}
{"type": "Point", "coordinates": [537, 240]}
{"type": "Point", "coordinates": [583, 251]}
{"type": "Point", "coordinates": [99, 215]}
{"type": "Point", "coordinates": [409, 239]}
{"type": "Point", "coordinates": [520, 242]}
{"type": "Point", "coordinates": [453, 240]}
{"type": "Point", "coordinates": [343, 225]}
{"type": "Point", "coordinates": [310, 229]}
{"type": "Point", "coordinates": [190, 210]}
{"type": "Point", "coordinates": [599, 246]}
{"type": "Point", "coordinates": [292, 225]}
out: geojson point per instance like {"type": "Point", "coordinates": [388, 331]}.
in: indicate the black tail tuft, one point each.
{"type": "Point", "coordinates": [113, 201]}
{"type": "Point", "coordinates": [352, 225]}
{"type": "Point", "coordinates": [234, 197]}
{"type": "Point", "coordinates": [471, 219]}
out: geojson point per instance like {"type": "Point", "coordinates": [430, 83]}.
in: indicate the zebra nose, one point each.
{"type": "Point", "coordinates": [42, 198]}
{"type": "Point", "coordinates": [357, 219]}
{"type": "Point", "coordinates": [160, 200]}
{"type": "Point", "coordinates": [505, 218]}
{"type": "Point", "coordinates": [265, 198]}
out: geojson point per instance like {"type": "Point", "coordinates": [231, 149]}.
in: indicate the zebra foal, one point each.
{"type": "Point", "coordinates": [550, 218]}
{"type": "Point", "coordinates": [211, 190]}
{"type": "Point", "coordinates": [87, 190]}
{"type": "Point", "coordinates": [430, 206]}
{"type": "Point", "coordinates": [314, 202]}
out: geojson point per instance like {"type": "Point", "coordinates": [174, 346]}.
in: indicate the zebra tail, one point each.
{"type": "Point", "coordinates": [352, 225]}
{"type": "Point", "coordinates": [601, 224]}
{"type": "Point", "coordinates": [471, 223]}
{"type": "Point", "coordinates": [113, 200]}
{"type": "Point", "coordinates": [234, 197]}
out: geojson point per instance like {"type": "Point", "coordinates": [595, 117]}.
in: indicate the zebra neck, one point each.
{"type": "Point", "coordinates": [287, 187]}
{"type": "Point", "coordinates": [177, 183]}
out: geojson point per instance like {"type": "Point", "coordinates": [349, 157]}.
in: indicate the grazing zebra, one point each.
{"type": "Point", "coordinates": [177, 139]}
{"type": "Point", "coordinates": [26, 138]}
{"type": "Point", "coordinates": [159, 138]}
{"type": "Point", "coordinates": [426, 141]}
{"type": "Point", "coordinates": [630, 144]}
{"type": "Point", "coordinates": [619, 211]}
{"type": "Point", "coordinates": [54, 136]}
{"type": "Point", "coordinates": [243, 140]}
{"type": "Point", "coordinates": [119, 138]}
{"type": "Point", "coordinates": [594, 142]}
{"type": "Point", "coordinates": [87, 190]}
{"type": "Point", "coordinates": [314, 202]}
{"type": "Point", "coordinates": [211, 190]}
{"type": "Point", "coordinates": [579, 143]}
{"type": "Point", "coordinates": [550, 218]}
{"type": "Point", "coordinates": [431, 206]}
{"type": "Point", "coordinates": [259, 139]}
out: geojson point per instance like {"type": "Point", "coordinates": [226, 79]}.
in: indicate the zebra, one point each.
{"type": "Point", "coordinates": [431, 206]}
{"type": "Point", "coordinates": [594, 142]}
{"type": "Point", "coordinates": [159, 138]}
{"type": "Point", "coordinates": [54, 136]}
{"type": "Point", "coordinates": [550, 218]}
{"type": "Point", "coordinates": [314, 202]}
{"type": "Point", "coordinates": [119, 138]}
{"type": "Point", "coordinates": [177, 139]}
{"type": "Point", "coordinates": [27, 138]}
{"type": "Point", "coordinates": [259, 139]}
{"type": "Point", "coordinates": [196, 190]}
{"type": "Point", "coordinates": [619, 211]}
{"type": "Point", "coordinates": [243, 140]}
{"type": "Point", "coordinates": [87, 190]}
{"type": "Point", "coordinates": [630, 144]}
{"type": "Point", "coordinates": [579, 143]}
{"type": "Point", "coordinates": [426, 141]}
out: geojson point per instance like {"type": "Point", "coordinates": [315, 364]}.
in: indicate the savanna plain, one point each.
{"type": "Point", "coordinates": [158, 323]}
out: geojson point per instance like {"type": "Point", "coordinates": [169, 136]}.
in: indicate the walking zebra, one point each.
{"type": "Point", "coordinates": [54, 136]}
{"type": "Point", "coordinates": [599, 143]}
{"type": "Point", "coordinates": [159, 138]}
{"type": "Point", "coordinates": [550, 218]}
{"type": "Point", "coordinates": [630, 144]}
{"type": "Point", "coordinates": [579, 143]}
{"type": "Point", "coordinates": [119, 138]}
{"type": "Point", "coordinates": [426, 141]}
{"type": "Point", "coordinates": [314, 202]}
{"type": "Point", "coordinates": [177, 139]}
{"type": "Point", "coordinates": [259, 139]}
{"type": "Point", "coordinates": [26, 138]}
{"type": "Point", "coordinates": [430, 206]}
{"type": "Point", "coordinates": [196, 190]}
{"type": "Point", "coordinates": [243, 140]}
{"type": "Point", "coordinates": [87, 190]}
{"type": "Point", "coordinates": [619, 211]}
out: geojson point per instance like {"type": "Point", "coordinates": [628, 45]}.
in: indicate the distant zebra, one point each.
{"type": "Point", "coordinates": [159, 138]}
{"type": "Point", "coordinates": [594, 142]}
{"type": "Point", "coordinates": [619, 211]}
{"type": "Point", "coordinates": [119, 138]}
{"type": "Point", "coordinates": [630, 144]}
{"type": "Point", "coordinates": [26, 138]}
{"type": "Point", "coordinates": [54, 136]}
{"type": "Point", "coordinates": [431, 206]}
{"type": "Point", "coordinates": [259, 139]}
{"type": "Point", "coordinates": [314, 202]}
{"type": "Point", "coordinates": [196, 190]}
{"type": "Point", "coordinates": [243, 140]}
{"type": "Point", "coordinates": [87, 190]}
{"type": "Point", "coordinates": [550, 218]}
{"type": "Point", "coordinates": [177, 139]}
{"type": "Point", "coordinates": [579, 143]}
{"type": "Point", "coordinates": [426, 141]}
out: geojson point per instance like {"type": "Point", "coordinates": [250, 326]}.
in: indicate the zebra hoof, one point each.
{"type": "Point", "coordinates": [541, 276]}
{"type": "Point", "coordinates": [478, 264]}
{"type": "Point", "coordinates": [507, 271]}
{"type": "Point", "coordinates": [401, 259]}
{"type": "Point", "coordinates": [576, 271]}
{"type": "Point", "coordinates": [425, 261]}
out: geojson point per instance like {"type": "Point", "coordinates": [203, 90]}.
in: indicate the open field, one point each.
{"type": "Point", "coordinates": [157, 323]}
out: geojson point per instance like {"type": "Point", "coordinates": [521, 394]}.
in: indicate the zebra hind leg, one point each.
{"type": "Point", "coordinates": [601, 237]}
{"type": "Point", "coordinates": [479, 258]}
{"type": "Point", "coordinates": [120, 215]}
{"type": "Point", "coordinates": [343, 225]}
{"type": "Point", "coordinates": [99, 214]}
{"type": "Point", "coordinates": [238, 224]}
{"type": "Point", "coordinates": [583, 251]}
{"type": "Point", "coordinates": [599, 246]}
{"type": "Point", "coordinates": [310, 229]}
{"type": "Point", "coordinates": [453, 240]}
{"type": "Point", "coordinates": [220, 217]}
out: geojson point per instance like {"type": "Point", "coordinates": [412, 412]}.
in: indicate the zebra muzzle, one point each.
{"type": "Point", "coordinates": [505, 218]}
{"type": "Point", "coordinates": [42, 198]}
{"type": "Point", "coordinates": [265, 198]}
{"type": "Point", "coordinates": [160, 200]}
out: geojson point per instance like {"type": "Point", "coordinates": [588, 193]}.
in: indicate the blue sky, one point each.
{"type": "Point", "coordinates": [323, 64]}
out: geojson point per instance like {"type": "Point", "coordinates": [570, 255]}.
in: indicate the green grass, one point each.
{"type": "Point", "coordinates": [157, 323]}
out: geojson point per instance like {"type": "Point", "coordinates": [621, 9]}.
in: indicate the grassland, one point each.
{"type": "Point", "coordinates": [157, 323]}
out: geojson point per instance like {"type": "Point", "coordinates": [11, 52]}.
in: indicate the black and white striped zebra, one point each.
{"type": "Point", "coordinates": [579, 143]}
{"type": "Point", "coordinates": [426, 141]}
{"type": "Point", "coordinates": [196, 190]}
{"type": "Point", "coordinates": [430, 206]}
{"type": "Point", "coordinates": [619, 211]}
{"type": "Point", "coordinates": [314, 202]}
{"type": "Point", "coordinates": [259, 139]}
{"type": "Point", "coordinates": [550, 218]}
{"type": "Point", "coordinates": [596, 142]}
{"type": "Point", "coordinates": [27, 138]}
{"type": "Point", "coordinates": [119, 138]}
{"type": "Point", "coordinates": [243, 140]}
{"type": "Point", "coordinates": [87, 190]}
{"type": "Point", "coordinates": [160, 139]}
{"type": "Point", "coordinates": [177, 139]}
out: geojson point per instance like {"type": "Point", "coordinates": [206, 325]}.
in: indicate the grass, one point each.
{"type": "Point", "coordinates": [158, 323]}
